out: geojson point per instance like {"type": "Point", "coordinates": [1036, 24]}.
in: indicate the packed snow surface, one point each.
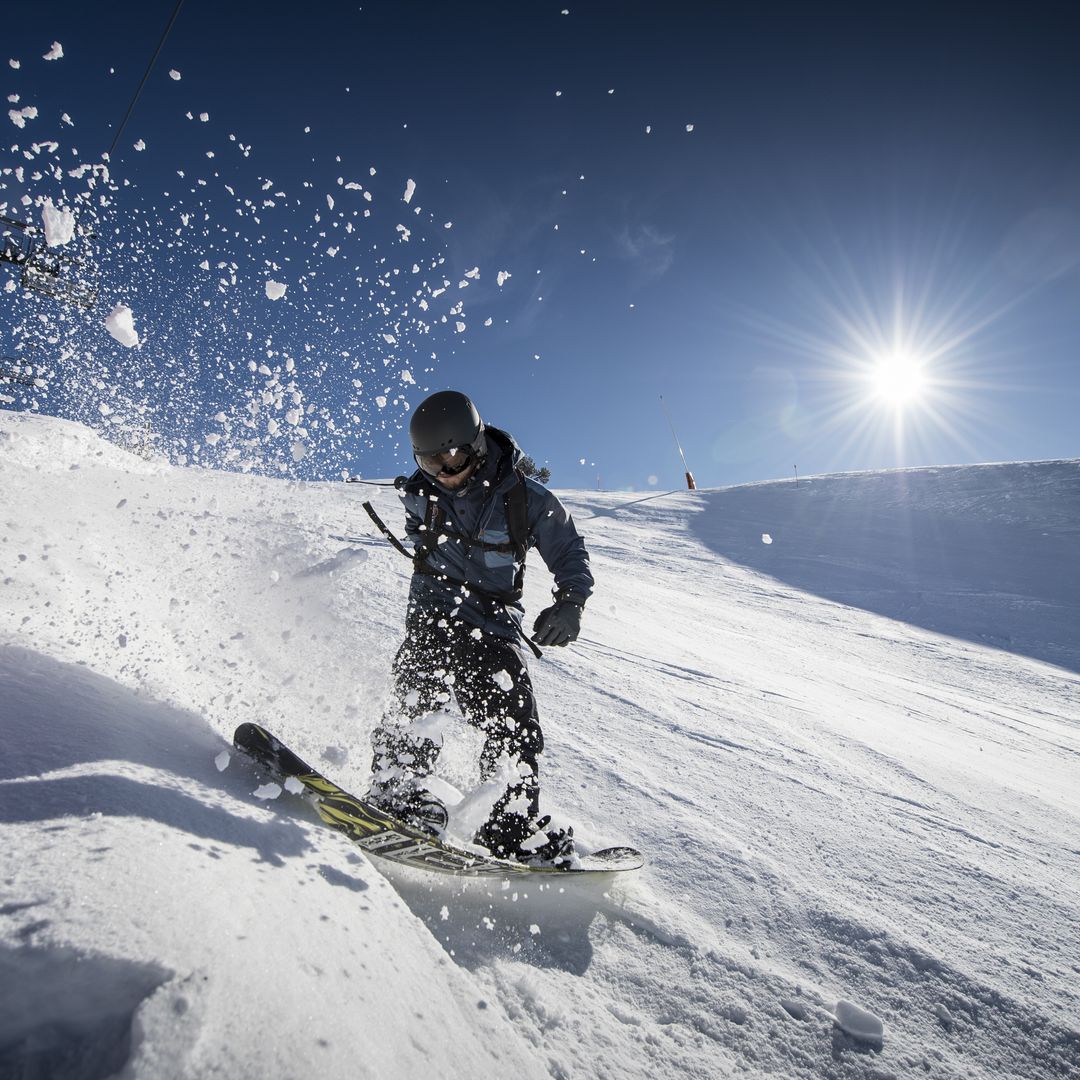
{"type": "Point", "coordinates": [850, 756]}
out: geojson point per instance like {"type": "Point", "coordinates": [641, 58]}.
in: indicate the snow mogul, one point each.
{"type": "Point", "coordinates": [472, 515]}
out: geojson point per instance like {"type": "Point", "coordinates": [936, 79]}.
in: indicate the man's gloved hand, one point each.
{"type": "Point", "coordinates": [561, 623]}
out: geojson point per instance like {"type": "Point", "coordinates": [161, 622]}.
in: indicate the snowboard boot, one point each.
{"type": "Point", "coordinates": [410, 803]}
{"type": "Point", "coordinates": [548, 846]}
{"type": "Point", "coordinates": [513, 837]}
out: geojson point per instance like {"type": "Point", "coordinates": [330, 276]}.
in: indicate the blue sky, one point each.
{"type": "Point", "coordinates": [862, 195]}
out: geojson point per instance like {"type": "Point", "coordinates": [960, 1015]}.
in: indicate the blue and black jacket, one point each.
{"type": "Point", "coordinates": [471, 544]}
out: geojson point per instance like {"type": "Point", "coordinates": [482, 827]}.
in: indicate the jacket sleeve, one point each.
{"type": "Point", "coordinates": [560, 544]}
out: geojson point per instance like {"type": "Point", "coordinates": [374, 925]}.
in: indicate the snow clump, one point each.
{"type": "Point", "coordinates": [55, 53]}
{"type": "Point", "coordinates": [858, 1023]}
{"type": "Point", "coordinates": [121, 324]}
{"type": "Point", "coordinates": [20, 116]}
{"type": "Point", "coordinates": [275, 290]}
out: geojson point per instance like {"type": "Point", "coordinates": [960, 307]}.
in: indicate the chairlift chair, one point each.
{"type": "Point", "coordinates": [42, 270]}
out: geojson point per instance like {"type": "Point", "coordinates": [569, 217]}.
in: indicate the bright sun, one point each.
{"type": "Point", "coordinates": [898, 379]}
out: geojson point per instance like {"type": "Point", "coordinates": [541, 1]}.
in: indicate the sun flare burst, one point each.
{"type": "Point", "coordinates": [899, 379]}
{"type": "Point", "coordinates": [892, 358]}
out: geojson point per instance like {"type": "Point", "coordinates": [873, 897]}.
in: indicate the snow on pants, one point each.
{"type": "Point", "coordinates": [488, 677]}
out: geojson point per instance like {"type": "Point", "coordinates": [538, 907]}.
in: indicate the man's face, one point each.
{"type": "Point", "coordinates": [456, 467]}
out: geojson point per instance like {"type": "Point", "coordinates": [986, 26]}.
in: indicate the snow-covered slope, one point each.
{"type": "Point", "coordinates": [851, 754]}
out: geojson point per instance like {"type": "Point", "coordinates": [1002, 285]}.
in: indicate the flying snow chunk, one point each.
{"type": "Point", "coordinates": [299, 450]}
{"type": "Point", "coordinates": [410, 190]}
{"type": "Point", "coordinates": [15, 64]}
{"type": "Point", "coordinates": [858, 1023]}
{"type": "Point", "coordinates": [389, 339]}
{"type": "Point", "coordinates": [59, 224]}
{"type": "Point", "coordinates": [55, 53]}
{"type": "Point", "coordinates": [294, 786]}
{"type": "Point", "coordinates": [275, 290]}
{"type": "Point", "coordinates": [689, 127]}
{"type": "Point", "coordinates": [20, 116]}
{"type": "Point", "coordinates": [174, 74]}
{"type": "Point", "coordinates": [766, 538]}
{"type": "Point", "coordinates": [267, 791]}
{"type": "Point", "coordinates": [503, 680]}
{"type": "Point", "coordinates": [140, 145]}
{"type": "Point", "coordinates": [222, 761]}
{"type": "Point", "coordinates": [121, 325]}
{"type": "Point", "coordinates": [502, 277]}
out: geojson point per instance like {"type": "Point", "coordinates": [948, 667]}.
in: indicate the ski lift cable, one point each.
{"type": "Point", "coordinates": [146, 75]}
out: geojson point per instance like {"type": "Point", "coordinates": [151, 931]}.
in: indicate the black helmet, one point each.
{"type": "Point", "coordinates": [446, 421]}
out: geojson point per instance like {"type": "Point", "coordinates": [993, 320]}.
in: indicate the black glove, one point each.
{"type": "Point", "coordinates": [561, 623]}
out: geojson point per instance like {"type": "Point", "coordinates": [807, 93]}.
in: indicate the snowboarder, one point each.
{"type": "Point", "coordinates": [472, 515]}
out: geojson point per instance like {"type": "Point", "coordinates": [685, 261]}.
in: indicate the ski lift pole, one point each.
{"type": "Point", "coordinates": [689, 475]}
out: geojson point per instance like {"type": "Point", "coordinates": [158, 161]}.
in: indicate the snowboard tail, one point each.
{"type": "Point", "coordinates": [384, 835]}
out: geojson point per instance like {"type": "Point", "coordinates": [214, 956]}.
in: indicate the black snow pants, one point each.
{"type": "Point", "coordinates": [488, 676]}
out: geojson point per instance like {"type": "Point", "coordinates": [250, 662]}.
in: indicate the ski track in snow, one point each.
{"type": "Point", "coordinates": [845, 791]}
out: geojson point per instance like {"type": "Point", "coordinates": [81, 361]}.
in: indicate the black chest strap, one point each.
{"type": "Point", "coordinates": [516, 510]}
{"type": "Point", "coordinates": [516, 506]}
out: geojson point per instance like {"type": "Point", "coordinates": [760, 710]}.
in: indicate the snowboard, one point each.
{"type": "Point", "coordinates": [381, 834]}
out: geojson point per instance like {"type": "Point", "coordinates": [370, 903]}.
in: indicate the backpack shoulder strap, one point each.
{"type": "Point", "coordinates": [516, 505]}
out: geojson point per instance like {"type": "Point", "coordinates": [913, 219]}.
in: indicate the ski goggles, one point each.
{"type": "Point", "coordinates": [448, 462]}
{"type": "Point", "coordinates": [454, 459]}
